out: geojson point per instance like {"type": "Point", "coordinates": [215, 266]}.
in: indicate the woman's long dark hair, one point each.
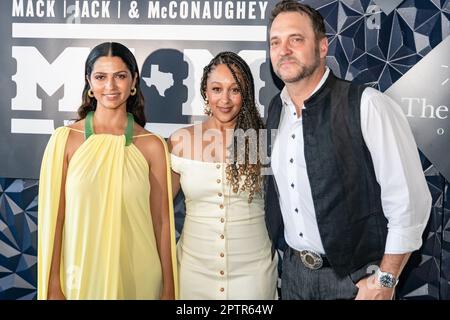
{"type": "Point", "coordinates": [248, 118]}
{"type": "Point", "coordinates": [135, 104]}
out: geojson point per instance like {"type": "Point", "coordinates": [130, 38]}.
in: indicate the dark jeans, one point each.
{"type": "Point", "coordinates": [300, 283]}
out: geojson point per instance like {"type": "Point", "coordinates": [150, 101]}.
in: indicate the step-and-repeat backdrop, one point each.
{"type": "Point", "coordinates": [400, 47]}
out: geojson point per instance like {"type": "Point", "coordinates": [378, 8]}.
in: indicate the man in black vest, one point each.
{"type": "Point", "coordinates": [347, 193]}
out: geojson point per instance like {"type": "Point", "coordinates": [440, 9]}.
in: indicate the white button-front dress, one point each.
{"type": "Point", "coordinates": [224, 251]}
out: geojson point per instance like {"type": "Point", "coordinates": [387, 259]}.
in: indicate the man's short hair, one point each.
{"type": "Point", "coordinates": [293, 6]}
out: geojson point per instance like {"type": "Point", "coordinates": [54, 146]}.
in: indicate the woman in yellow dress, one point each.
{"type": "Point", "coordinates": [105, 215]}
{"type": "Point", "coordinates": [224, 251]}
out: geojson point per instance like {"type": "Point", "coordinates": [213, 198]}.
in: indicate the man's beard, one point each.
{"type": "Point", "coordinates": [305, 70]}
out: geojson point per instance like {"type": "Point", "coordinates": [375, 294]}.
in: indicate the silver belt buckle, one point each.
{"type": "Point", "coordinates": [311, 259]}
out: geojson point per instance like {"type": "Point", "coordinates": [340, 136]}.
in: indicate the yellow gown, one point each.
{"type": "Point", "coordinates": [109, 248]}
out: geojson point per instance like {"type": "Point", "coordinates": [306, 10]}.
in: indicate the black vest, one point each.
{"type": "Point", "coordinates": [345, 191]}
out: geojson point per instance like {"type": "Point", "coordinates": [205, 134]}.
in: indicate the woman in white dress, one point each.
{"type": "Point", "coordinates": [224, 251]}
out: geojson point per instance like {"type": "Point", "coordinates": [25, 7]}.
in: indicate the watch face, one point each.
{"type": "Point", "coordinates": [387, 280]}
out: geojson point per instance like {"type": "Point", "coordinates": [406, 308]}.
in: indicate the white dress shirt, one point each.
{"type": "Point", "coordinates": [405, 196]}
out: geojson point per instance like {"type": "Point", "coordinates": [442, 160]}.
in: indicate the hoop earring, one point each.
{"type": "Point", "coordinates": [133, 91]}
{"type": "Point", "coordinates": [207, 108]}
{"type": "Point", "coordinates": [90, 93]}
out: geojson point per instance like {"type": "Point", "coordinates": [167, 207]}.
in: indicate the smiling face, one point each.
{"type": "Point", "coordinates": [223, 94]}
{"type": "Point", "coordinates": [111, 81]}
{"type": "Point", "coordinates": [295, 51]}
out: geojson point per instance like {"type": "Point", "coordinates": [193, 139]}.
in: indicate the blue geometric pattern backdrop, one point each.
{"type": "Point", "coordinates": [371, 41]}
{"type": "Point", "coordinates": [18, 238]}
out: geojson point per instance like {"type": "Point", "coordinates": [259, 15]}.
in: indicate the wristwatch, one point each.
{"type": "Point", "coordinates": [386, 279]}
